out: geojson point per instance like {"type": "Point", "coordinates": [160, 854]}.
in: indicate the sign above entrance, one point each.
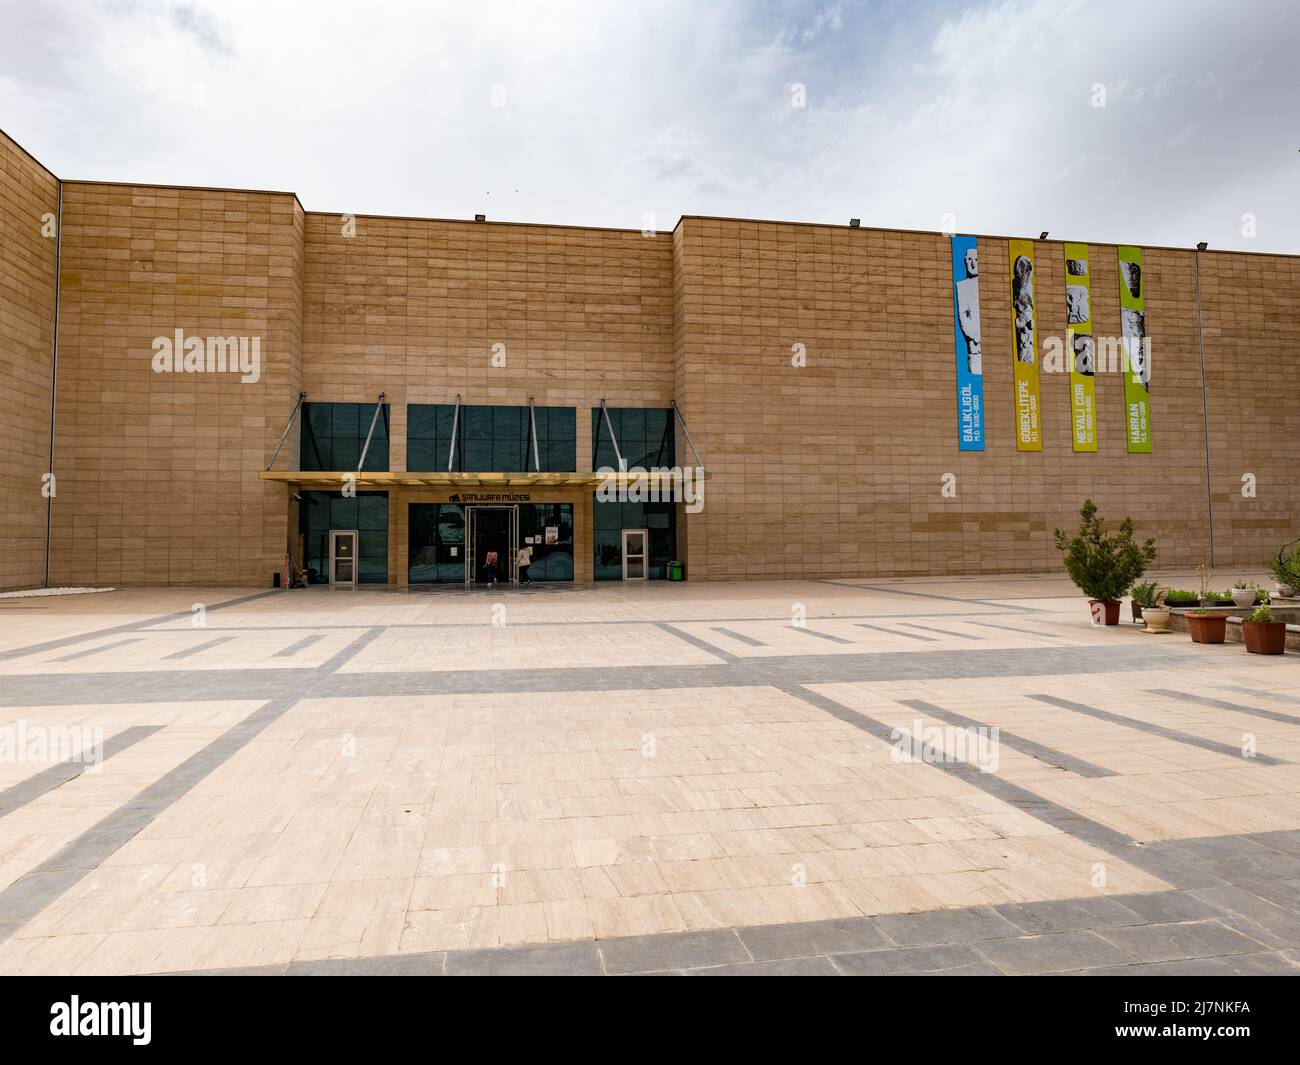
{"type": "Point", "coordinates": [491, 497]}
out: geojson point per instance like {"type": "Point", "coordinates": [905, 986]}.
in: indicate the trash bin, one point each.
{"type": "Point", "coordinates": [675, 571]}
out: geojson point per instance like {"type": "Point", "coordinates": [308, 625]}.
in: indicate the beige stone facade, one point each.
{"type": "Point", "coordinates": [830, 469]}
{"type": "Point", "coordinates": [28, 249]}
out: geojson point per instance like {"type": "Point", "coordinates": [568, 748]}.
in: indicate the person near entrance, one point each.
{"type": "Point", "coordinates": [490, 568]}
{"type": "Point", "coordinates": [522, 561]}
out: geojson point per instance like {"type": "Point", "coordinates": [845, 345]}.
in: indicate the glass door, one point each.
{"type": "Point", "coordinates": [635, 546]}
{"type": "Point", "coordinates": [343, 558]}
{"type": "Point", "coordinates": [471, 549]}
{"type": "Point", "coordinates": [491, 543]}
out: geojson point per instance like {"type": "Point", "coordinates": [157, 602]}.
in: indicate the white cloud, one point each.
{"type": "Point", "coordinates": [615, 111]}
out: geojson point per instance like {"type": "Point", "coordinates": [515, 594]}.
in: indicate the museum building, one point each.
{"type": "Point", "coordinates": [219, 387]}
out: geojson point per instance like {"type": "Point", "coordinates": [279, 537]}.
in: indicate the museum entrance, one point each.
{"type": "Point", "coordinates": [492, 535]}
{"type": "Point", "coordinates": [448, 543]}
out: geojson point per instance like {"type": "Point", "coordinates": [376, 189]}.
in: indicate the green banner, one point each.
{"type": "Point", "coordinates": [1080, 348]}
{"type": "Point", "coordinates": [1137, 349]}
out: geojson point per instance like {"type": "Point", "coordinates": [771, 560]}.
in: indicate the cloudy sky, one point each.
{"type": "Point", "coordinates": [607, 113]}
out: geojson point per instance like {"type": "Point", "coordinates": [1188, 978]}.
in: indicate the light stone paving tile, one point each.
{"type": "Point", "coordinates": [518, 647]}
{"type": "Point", "coordinates": [183, 650]}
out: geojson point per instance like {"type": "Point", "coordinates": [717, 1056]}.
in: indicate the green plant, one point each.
{"type": "Point", "coordinates": [1285, 564]}
{"type": "Point", "coordinates": [1264, 612]}
{"type": "Point", "coordinates": [1102, 566]}
{"type": "Point", "coordinates": [1181, 596]}
{"type": "Point", "coordinates": [1144, 594]}
{"type": "Point", "coordinates": [1243, 585]}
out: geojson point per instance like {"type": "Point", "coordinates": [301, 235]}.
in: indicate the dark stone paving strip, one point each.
{"type": "Point", "coordinates": [603, 622]}
{"type": "Point", "coordinates": [200, 684]}
{"type": "Point", "coordinates": [739, 637]}
{"type": "Point", "coordinates": [943, 632]}
{"type": "Point", "coordinates": [1278, 696]}
{"type": "Point", "coordinates": [1010, 628]}
{"type": "Point", "coordinates": [26, 897]}
{"type": "Point", "coordinates": [44, 782]}
{"type": "Point", "coordinates": [337, 661]}
{"type": "Point", "coordinates": [1175, 735]}
{"type": "Point", "coordinates": [115, 630]}
{"type": "Point", "coordinates": [190, 652]}
{"type": "Point", "coordinates": [300, 645]}
{"type": "Point", "coordinates": [819, 635]}
{"type": "Point", "coordinates": [1016, 742]}
{"type": "Point", "coordinates": [897, 632]}
{"type": "Point", "coordinates": [947, 960]}
{"type": "Point", "coordinates": [558, 959]}
{"type": "Point", "coordinates": [88, 651]}
{"type": "Point", "coordinates": [947, 598]}
{"type": "Point", "coordinates": [695, 641]}
{"type": "Point", "coordinates": [1219, 704]}
{"type": "Point", "coordinates": [793, 967]}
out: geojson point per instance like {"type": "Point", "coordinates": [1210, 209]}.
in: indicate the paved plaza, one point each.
{"type": "Point", "coordinates": [692, 778]}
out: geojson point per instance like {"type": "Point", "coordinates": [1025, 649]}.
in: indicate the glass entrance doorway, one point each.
{"type": "Point", "coordinates": [445, 541]}
{"type": "Point", "coordinates": [492, 535]}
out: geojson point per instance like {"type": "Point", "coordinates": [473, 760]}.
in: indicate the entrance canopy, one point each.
{"type": "Point", "coordinates": [328, 479]}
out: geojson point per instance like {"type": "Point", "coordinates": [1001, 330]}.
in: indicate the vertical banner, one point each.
{"type": "Point", "coordinates": [1137, 349]}
{"type": "Point", "coordinates": [1029, 433]}
{"type": "Point", "coordinates": [970, 368]}
{"type": "Point", "coordinates": [1080, 348]}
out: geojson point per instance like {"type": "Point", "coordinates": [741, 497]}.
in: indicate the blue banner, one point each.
{"type": "Point", "coordinates": [970, 366]}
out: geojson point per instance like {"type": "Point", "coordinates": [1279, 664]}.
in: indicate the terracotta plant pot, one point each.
{"type": "Point", "coordinates": [1104, 613]}
{"type": "Point", "coordinates": [1264, 637]}
{"type": "Point", "coordinates": [1156, 617]}
{"type": "Point", "coordinates": [1207, 628]}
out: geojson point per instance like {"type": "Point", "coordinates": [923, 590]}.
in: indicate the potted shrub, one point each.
{"type": "Point", "coordinates": [1285, 567]}
{"type": "Point", "coordinates": [1243, 594]}
{"type": "Point", "coordinates": [1263, 633]}
{"type": "Point", "coordinates": [1142, 598]}
{"type": "Point", "coordinates": [1104, 567]}
{"type": "Point", "coordinates": [1182, 598]}
{"type": "Point", "coordinates": [1207, 624]}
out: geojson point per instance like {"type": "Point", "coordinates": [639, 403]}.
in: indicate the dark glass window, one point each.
{"type": "Point", "coordinates": [490, 439]}
{"type": "Point", "coordinates": [551, 561]}
{"type": "Point", "coordinates": [610, 519]}
{"type": "Point", "coordinates": [436, 543]}
{"type": "Point", "coordinates": [333, 435]}
{"type": "Point", "coordinates": [645, 437]}
{"type": "Point", "coordinates": [367, 512]}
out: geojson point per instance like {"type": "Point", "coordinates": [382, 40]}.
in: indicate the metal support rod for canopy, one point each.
{"type": "Point", "coordinates": [374, 418]}
{"type": "Point", "coordinates": [455, 424]}
{"type": "Point", "coordinates": [687, 433]}
{"type": "Point", "coordinates": [604, 411]}
{"type": "Point", "coordinates": [532, 422]}
{"type": "Point", "coordinates": [287, 426]}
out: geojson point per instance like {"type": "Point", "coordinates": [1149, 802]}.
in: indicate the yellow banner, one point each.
{"type": "Point", "coordinates": [1137, 349]}
{"type": "Point", "coordinates": [1079, 348]}
{"type": "Point", "coordinates": [1029, 434]}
